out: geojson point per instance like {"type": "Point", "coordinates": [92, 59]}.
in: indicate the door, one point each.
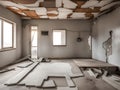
{"type": "Point", "coordinates": [34, 36]}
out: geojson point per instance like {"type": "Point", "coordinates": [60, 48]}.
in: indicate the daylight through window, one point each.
{"type": "Point", "coordinates": [7, 34]}
{"type": "Point", "coordinates": [59, 37]}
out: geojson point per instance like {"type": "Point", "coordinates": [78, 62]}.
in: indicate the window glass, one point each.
{"type": "Point", "coordinates": [59, 37]}
{"type": "Point", "coordinates": [7, 34]}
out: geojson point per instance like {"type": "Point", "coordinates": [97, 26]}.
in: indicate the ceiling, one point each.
{"type": "Point", "coordinates": [59, 9]}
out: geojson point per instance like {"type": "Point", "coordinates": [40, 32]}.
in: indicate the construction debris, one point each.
{"type": "Point", "coordinates": [67, 88]}
{"type": "Point", "coordinates": [49, 83]}
{"type": "Point", "coordinates": [7, 70]}
{"type": "Point", "coordinates": [25, 65]}
{"type": "Point", "coordinates": [112, 81]}
{"type": "Point", "coordinates": [19, 77]}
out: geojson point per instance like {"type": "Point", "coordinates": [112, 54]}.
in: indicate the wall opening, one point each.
{"type": "Point", "coordinates": [34, 36]}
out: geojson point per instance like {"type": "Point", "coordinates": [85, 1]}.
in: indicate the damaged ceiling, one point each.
{"type": "Point", "coordinates": [59, 9]}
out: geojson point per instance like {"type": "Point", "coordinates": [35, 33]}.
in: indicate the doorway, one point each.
{"type": "Point", "coordinates": [34, 36]}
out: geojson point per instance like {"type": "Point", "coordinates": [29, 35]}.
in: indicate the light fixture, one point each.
{"type": "Point", "coordinates": [79, 38]}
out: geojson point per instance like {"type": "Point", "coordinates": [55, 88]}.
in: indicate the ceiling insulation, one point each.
{"type": "Point", "coordinates": [78, 15]}
{"type": "Point", "coordinates": [59, 3]}
{"type": "Point", "coordinates": [69, 4]}
{"type": "Point", "coordinates": [59, 9]}
{"type": "Point", "coordinates": [52, 12]}
{"type": "Point", "coordinates": [44, 17]}
{"type": "Point", "coordinates": [41, 11]}
{"type": "Point", "coordinates": [90, 3]}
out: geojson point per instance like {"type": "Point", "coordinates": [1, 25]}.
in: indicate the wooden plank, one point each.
{"type": "Point", "coordinates": [35, 78]}
{"type": "Point", "coordinates": [111, 82]}
{"type": "Point", "coordinates": [116, 78]}
{"type": "Point", "coordinates": [31, 13]}
{"type": "Point", "coordinates": [25, 65]}
{"type": "Point", "coordinates": [87, 10]}
{"type": "Point", "coordinates": [69, 81]}
{"type": "Point", "coordinates": [23, 1]}
{"type": "Point", "coordinates": [52, 9]}
{"type": "Point", "coordinates": [91, 73]}
{"type": "Point", "coordinates": [48, 83]}
{"type": "Point", "coordinates": [17, 11]}
{"type": "Point", "coordinates": [16, 79]}
{"type": "Point", "coordinates": [66, 88]}
{"type": "Point", "coordinates": [92, 63]}
{"type": "Point", "coordinates": [6, 70]}
{"type": "Point", "coordinates": [52, 15]}
{"type": "Point", "coordinates": [89, 15]}
{"type": "Point", "coordinates": [23, 59]}
{"type": "Point", "coordinates": [80, 3]}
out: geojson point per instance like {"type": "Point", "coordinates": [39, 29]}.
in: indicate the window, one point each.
{"type": "Point", "coordinates": [59, 37]}
{"type": "Point", "coordinates": [7, 35]}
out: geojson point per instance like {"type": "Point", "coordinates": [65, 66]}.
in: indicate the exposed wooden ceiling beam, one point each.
{"type": "Point", "coordinates": [17, 11]}
{"type": "Point", "coordinates": [52, 9]}
{"type": "Point", "coordinates": [52, 15]}
{"type": "Point", "coordinates": [87, 10]}
{"type": "Point", "coordinates": [31, 13]}
{"type": "Point", "coordinates": [23, 1]}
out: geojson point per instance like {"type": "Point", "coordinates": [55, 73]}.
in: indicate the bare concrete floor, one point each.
{"type": "Point", "coordinates": [83, 83]}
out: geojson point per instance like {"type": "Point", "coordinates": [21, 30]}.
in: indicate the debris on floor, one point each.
{"type": "Point", "coordinates": [112, 81]}
{"type": "Point", "coordinates": [6, 70]}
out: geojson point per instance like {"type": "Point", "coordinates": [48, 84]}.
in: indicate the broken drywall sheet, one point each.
{"type": "Point", "coordinates": [69, 81]}
{"type": "Point", "coordinates": [48, 83]}
{"type": "Point", "coordinates": [43, 71]}
{"type": "Point", "coordinates": [67, 88]}
{"type": "Point", "coordinates": [16, 79]}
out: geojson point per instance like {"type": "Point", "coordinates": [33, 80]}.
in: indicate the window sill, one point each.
{"type": "Point", "coordinates": [59, 45]}
{"type": "Point", "coordinates": [7, 49]}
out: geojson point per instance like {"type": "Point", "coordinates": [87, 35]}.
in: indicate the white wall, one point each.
{"type": "Point", "coordinates": [45, 47]}
{"type": "Point", "coordinates": [6, 57]}
{"type": "Point", "coordinates": [100, 32]}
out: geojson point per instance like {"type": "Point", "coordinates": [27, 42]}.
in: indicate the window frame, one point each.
{"type": "Point", "coordinates": [65, 38]}
{"type": "Point", "coordinates": [13, 35]}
